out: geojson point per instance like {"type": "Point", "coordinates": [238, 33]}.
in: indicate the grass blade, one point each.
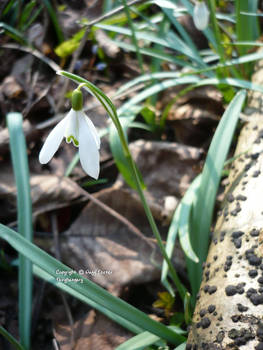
{"type": "Point", "coordinates": [140, 341]}
{"type": "Point", "coordinates": [24, 208]}
{"type": "Point", "coordinates": [247, 27]}
{"type": "Point", "coordinates": [88, 288]}
{"type": "Point", "coordinates": [171, 40]}
{"type": "Point", "coordinates": [15, 34]}
{"type": "Point", "coordinates": [211, 175]}
{"type": "Point", "coordinates": [54, 20]}
{"type": "Point", "coordinates": [180, 223]}
{"type": "Point", "coordinates": [120, 320]}
{"type": "Point", "coordinates": [11, 339]}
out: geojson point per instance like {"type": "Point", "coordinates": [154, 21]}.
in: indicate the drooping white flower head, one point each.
{"type": "Point", "coordinates": [77, 128]}
{"type": "Point", "coordinates": [201, 15]}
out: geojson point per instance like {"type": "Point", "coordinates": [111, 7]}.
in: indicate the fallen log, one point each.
{"type": "Point", "coordinates": [229, 308]}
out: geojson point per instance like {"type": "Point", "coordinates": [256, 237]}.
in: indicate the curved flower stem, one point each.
{"type": "Point", "coordinates": [111, 110]}
{"type": "Point", "coordinates": [175, 278]}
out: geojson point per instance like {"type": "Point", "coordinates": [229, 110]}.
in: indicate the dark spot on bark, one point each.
{"type": "Point", "coordinates": [251, 291]}
{"type": "Point", "coordinates": [230, 198]}
{"type": "Point", "coordinates": [234, 212]}
{"type": "Point", "coordinates": [188, 347]}
{"type": "Point", "coordinates": [220, 336]}
{"type": "Point", "coordinates": [230, 290]}
{"type": "Point", "coordinates": [241, 336]}
{"type": "Point", "coordinates": [207, 274]}
{"type": "Point", "coordinates": [206, 288]}
{"type": "Point", "coordinates": [220, 318]}
{"type": "Point", "coordinates": [205, 322]}
{"type": "Point", "coordinates": [248, 166]}
{"type": "Point", "coordinates": [215, 241]}
{"type": "Point", "coordinates": [237, 275]}
{"type": "Point", "coordinates": [237, 234]}
{"type": "Point", "coordinates": [254, 232]}
{"type": "Point", "coordinates": [254, 156]}
{"type": "Point", "coordinates": [256, 299]}
{"type": "Point", "coordinates": [252, 258]}
{"type": "Point", "coordinates": [222, 235]}
{"type": "Point", "coordinates": [212, 290]}
{"type": "Point", "coordinates": [240, 197]}
{"type": "Point", "coordinates": [256, 173]}
{"type": "Point", "coordinates": [244, 183]}
{"type": "Point", "coordinates": [253, 273]}
{"type": "Point", "coordinates": [211, 308]}
{"type": "Point", "coordinates": [242, 308]}
{"type": "Point", "coordinates": [259, 346]}
{"type": "Point", "coordinates": [202, 312]}
{"type": "Point", "coordinates": [235, 318]}
{"type": "Point", "coordinates": [260, 331]}
{"type": "Point", "coordinates": [227, 265]}
{"type": "Point", "coordinates": [215, 257]}
{"type": "Point", "coordinates": [237, 242]}
{"type": "Point", "coordinates": [260, 280]}
{"type": "Point", "coordinates": [233, 333]}
{"type": "Point", "coordinates": [198, 325]}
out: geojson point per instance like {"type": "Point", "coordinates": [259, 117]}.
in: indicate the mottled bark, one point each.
{"type": "Point", "coordinates": [229, 309]}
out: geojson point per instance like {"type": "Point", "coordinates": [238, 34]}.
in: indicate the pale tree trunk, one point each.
{"type": "Point", "coordinates": [229, 309]}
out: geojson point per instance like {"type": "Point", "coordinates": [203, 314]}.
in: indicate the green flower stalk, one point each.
{"type": "Point", "coordinates": [111, 110]}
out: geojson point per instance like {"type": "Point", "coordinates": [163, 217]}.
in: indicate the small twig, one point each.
{"type": "Point", "coordinates": [116, 215]}
{"type": "Point", "coordinates": [54, 228]}
{"type": "Point", "coordinates": [33, 52]}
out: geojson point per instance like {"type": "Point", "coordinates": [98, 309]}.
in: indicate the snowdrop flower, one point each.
{"type": "Point", "coordinates": [77, 128]}
{"type": "Point", "coordinates": [201, 15]}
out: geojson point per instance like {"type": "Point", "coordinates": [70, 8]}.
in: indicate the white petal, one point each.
{"type": "Point", "coordinates": [92, 128]}
{"type": "Point", "coordinates": [53, 141]}
{"type": "Point", "coordinates": [72, 128]}
{"type": "Point", "coordinates": [88, 149]}
{"type": "Point", "coordinates": [201, 15]}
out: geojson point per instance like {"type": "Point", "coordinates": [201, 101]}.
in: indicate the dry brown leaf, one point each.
{"type": "Point", "coordinates": [92, 331]}
{"type": "Point", "coordinates": [48, 192]}
{"type": "Point", "coordinates": [105, 249]}
{"type": "Point", "coordinates": [11, 88]}
{"type": "Point", "coordinates": [167, 168]}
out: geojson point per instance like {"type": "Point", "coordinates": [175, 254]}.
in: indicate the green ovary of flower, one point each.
{"type": "Point", "coordinates": [73, 139]}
